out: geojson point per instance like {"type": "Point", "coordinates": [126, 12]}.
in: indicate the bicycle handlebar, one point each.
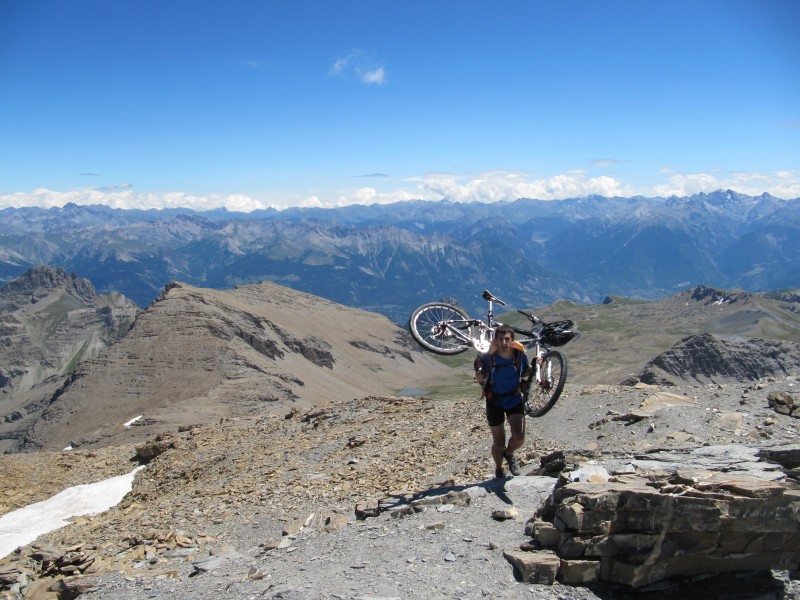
{"type": "Point", "coordinates": [520, 330]}
{"type": "Point", "coordinates": [533, 318]}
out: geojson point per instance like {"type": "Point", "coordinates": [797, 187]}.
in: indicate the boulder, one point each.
{"type": "Point", "coordinates": [534, 567]}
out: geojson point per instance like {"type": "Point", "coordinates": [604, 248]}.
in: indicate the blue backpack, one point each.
{"type": "Point", "coordinates": [511, 398]}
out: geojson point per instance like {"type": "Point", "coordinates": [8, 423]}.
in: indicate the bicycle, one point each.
{"type": "Point", "coordinates": [446, 329]}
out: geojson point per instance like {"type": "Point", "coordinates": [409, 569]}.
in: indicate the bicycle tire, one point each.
{"type": "Point", "coordinates": [423, 326]}
{"type": "Point", "coordinates": [540, 397]}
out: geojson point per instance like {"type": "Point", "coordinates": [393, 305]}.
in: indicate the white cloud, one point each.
{"type": "Point", "coordinates": [310, 202]}
{"type": "Point", "coordinates": [365, 195]}
{"type": "Point", "coordinates": [125, 197]}
{"type": "Point", "coordinates": [686, 184]}
{"type": "Point", "coordinates": [499, 185]}
{"type": "Point", "coordinates": [241, 203]}
{"type": "Point", "coordinates": [605, 162]}
{"type": "Point", "coordinates": [346, 62]}
{"type": "Point", "coordinates": [377, 76]}
{"type": "Point", "coordinates": [491, 186]}
{"type": "Point", "coordinates": [495, 186]}
{"type": "Point", "coordinates": [781, 184]}
{"type": "Point", "coordinates": [361, 66]}
{"type": "Point", "coordinates": [368, 195]}
{"type": "Point", "coordinates": [339, 65]}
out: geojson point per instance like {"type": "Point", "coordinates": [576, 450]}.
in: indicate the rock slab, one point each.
{"type": "Point", "coordinates": [642, 528]}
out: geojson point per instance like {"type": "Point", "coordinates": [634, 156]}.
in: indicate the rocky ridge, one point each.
{"type": "Point", "coordinates": [706, 358]}
{"type": "Point", "coordinates": [198, 355]}
{"type": "Point", "coordinates": [232, 353]}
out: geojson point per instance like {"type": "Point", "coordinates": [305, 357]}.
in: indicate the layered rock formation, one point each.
{"type": "Point", "coordinates": [711, 510]}
{"type": "Point", "coordinates": [706, 358]}
{"type": "Point", "coordinates": [50, 321]}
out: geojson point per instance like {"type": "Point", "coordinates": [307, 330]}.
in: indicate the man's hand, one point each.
{"type": "Point", "coordinates": [480, 375]}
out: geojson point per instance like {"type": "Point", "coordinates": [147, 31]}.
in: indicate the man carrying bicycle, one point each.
{"type": "Point", "coordinates": [500, 372]}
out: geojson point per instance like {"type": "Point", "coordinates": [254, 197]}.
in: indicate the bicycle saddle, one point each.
{"type": "Point", "coordinates": [489, 297]}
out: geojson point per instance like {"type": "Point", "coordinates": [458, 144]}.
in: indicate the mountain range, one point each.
{"type": "Point", "coordinates": [391, 258]}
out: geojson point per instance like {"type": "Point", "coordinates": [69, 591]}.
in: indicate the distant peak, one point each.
{"type": "Point", "coordinates": [41, 280]}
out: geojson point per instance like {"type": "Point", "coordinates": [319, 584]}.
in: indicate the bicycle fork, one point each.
{"type": "Point", "coordinates": [544, 372]}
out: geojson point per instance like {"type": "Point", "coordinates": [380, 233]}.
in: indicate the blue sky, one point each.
{"type": "Point", "coordinates": [274, 103]}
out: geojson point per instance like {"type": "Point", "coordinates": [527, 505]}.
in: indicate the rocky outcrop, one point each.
{"type": "Point", "coordinates": [50, 322]}
{"type": "Point", "coordinates": [707, 511]}
{"type": "Point", "coordinates": [710, 295]}
{"type": "Point", "coordinates": [784, 404]}
{"type": "Point", "coordinates": [705, 358]}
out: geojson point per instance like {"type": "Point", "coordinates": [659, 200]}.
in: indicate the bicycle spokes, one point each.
{"type": "Point", "coordinates": [441, 328]}
{"type": "Point", "coordinates": [550, 375]}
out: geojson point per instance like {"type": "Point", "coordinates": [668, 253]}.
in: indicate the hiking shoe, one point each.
{"type": "Point", "coordinates": [513, 465]}
{"type": "Point", "coordinates": [499, 473]}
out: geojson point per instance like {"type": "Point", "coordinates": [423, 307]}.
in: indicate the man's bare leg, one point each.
{"type": "Point", "coordinates": [498, 444]}
{"type": "Point", "coordinates": [517, 425]}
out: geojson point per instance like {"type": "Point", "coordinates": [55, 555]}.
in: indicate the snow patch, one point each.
{"type": "Point", "coordinates": [23, 526]}
{"type": "Point", "coordinates": [131, 422]}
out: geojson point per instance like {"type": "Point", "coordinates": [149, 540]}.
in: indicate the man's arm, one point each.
{"type": "Point", "coordinates": [481, 366]}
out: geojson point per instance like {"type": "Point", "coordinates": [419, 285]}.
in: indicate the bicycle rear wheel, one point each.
{"type": "Point", "coordinates": [429, 328]}
{"type": "Point", "coordinates": [540, 396]}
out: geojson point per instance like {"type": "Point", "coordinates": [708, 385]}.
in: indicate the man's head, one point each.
{"type": "Point", "coordinates": [504, 336]}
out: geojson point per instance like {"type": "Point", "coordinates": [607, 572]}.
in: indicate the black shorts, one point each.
{"type": "Point", "coordinates": [497, 416]}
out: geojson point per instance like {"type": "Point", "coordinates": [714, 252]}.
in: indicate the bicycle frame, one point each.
{"type": "Point", "coordinates": [490, 325]}
{"type": "Point", "coordinates": [534, 341]}
{"type": "Point", "coordinates": [483, 340]}
{"type": "Point", "coordinates": [541, 350]}
{"type": "Point", "coordinates": [456, 327]}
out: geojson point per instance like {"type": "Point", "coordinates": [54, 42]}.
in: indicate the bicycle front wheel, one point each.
{"type": "Point", "coordinates": [540, 396]}
{"type": "Point", "coordinates": [441, 328]}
